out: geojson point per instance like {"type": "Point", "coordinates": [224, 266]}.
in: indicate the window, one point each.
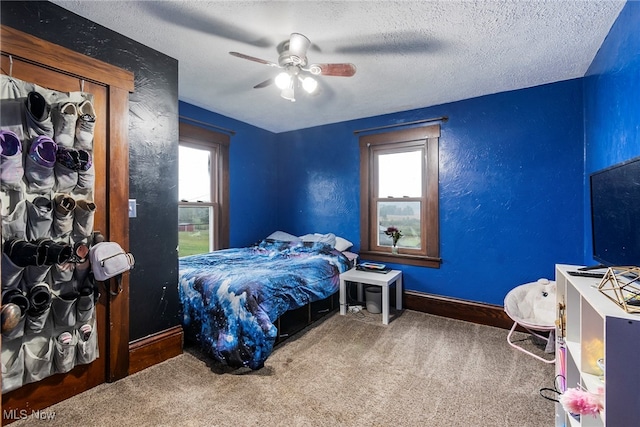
{"type": "Point", "coordinates": [399, 188]}
{"type": "Point", "coordinates": [203, 190]}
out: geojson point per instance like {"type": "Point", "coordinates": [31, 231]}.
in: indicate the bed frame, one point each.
{"type": "Point", "coordinates": [294, 321]}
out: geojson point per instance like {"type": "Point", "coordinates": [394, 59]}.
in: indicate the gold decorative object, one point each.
{"type": "Point", "coordinates": [561, 321]}
{"type": "Point", "coordinates": [622, 286]}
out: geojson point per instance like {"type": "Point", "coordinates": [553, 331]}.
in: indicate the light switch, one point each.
{"type": "Point", "coordinates": [133, 212]}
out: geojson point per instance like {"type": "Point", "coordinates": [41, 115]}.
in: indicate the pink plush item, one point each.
{"type": "Point", "coordinates": [577, 401]}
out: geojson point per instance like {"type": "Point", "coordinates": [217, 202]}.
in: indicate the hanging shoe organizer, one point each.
{"type": "Point", "coordinates": [46, 190]}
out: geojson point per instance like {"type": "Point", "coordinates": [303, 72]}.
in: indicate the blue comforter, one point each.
{"type": "Point", "coordinates": [233, 296]}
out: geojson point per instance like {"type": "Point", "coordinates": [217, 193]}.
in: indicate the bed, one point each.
{"type": "Point", "coordinates": [232, 298]}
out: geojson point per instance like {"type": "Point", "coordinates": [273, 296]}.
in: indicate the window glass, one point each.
{"type": "Point", "coordinates": [194, 174]}
{"type": "Point", "coordinates": [194, 229]}
{"type": "Point", "coordinates": [400, 174]}
{"type": "Point", "coordinates": [195, 211]}
{"type": "Point", "coordinates": [405, 216]}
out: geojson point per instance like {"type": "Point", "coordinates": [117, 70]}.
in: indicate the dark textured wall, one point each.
{"type": "Point", "coordinates": [153, 153]}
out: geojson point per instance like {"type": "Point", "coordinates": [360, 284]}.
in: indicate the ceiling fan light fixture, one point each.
{"type": "Point", "coordinates": [292, 60]}
{"type": "Point", "coordinates": [309, 84]}
{"type": "Point", "coordinates": [283, 80]}
{"type": "Point", "coordinates": [288, 94]}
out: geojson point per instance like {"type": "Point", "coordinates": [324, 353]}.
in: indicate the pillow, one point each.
{"type": "Point", "coordinates": [329, 238]}
{"type": "Point", "coordinates": [342, 244]}
{"type": "Point", "coordinates": [283, 236]}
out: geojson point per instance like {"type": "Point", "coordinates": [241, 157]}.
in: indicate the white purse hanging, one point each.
{"type": "Point", "coordinates": [109, 260]}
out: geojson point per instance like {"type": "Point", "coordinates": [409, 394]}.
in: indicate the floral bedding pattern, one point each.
{"type": "Point", "coordinates": [233, 296]}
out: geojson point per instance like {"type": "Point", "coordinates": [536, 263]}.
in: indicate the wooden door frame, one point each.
{"type": "Point", "coordinates": [118, 83]}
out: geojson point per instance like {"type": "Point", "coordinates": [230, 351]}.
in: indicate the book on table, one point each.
{"type": "Point", "coordinates": [373, 267]}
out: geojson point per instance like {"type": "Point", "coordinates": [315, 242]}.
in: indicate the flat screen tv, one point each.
{"type": "Point", "coordinates": [615, 214]}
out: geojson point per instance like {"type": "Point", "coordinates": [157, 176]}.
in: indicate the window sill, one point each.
{"type": "Point", "coordinates": [420, 261]}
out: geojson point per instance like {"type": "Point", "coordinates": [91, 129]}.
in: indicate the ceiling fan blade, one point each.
{"type": "Point", "coordinates": [254, 59]}
{"type": "Point", "coordinates": [178, 14]}
{"type": "Point", "coordinates": [339, 70]}
{"type": "Point", "coordinates": [264, 84]}
{"type": "Point", "coordinates": [298, 46]}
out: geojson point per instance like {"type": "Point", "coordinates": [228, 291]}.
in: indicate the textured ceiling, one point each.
{"type": "Point", "coordinates": [408, 54]}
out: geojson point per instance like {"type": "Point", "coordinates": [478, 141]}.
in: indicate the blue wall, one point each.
{"type": "Point", "coordinates": [510, 188]}
{"type": "Point", "coordinates": [319, 181]}
{"type": "Point", "coordinates": [252, 176]}
{"type": "Point", "coordinates": [612, 103]}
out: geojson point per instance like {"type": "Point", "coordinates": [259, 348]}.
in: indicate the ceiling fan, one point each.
{"type": "Point", "coordinates": [297, 72]}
